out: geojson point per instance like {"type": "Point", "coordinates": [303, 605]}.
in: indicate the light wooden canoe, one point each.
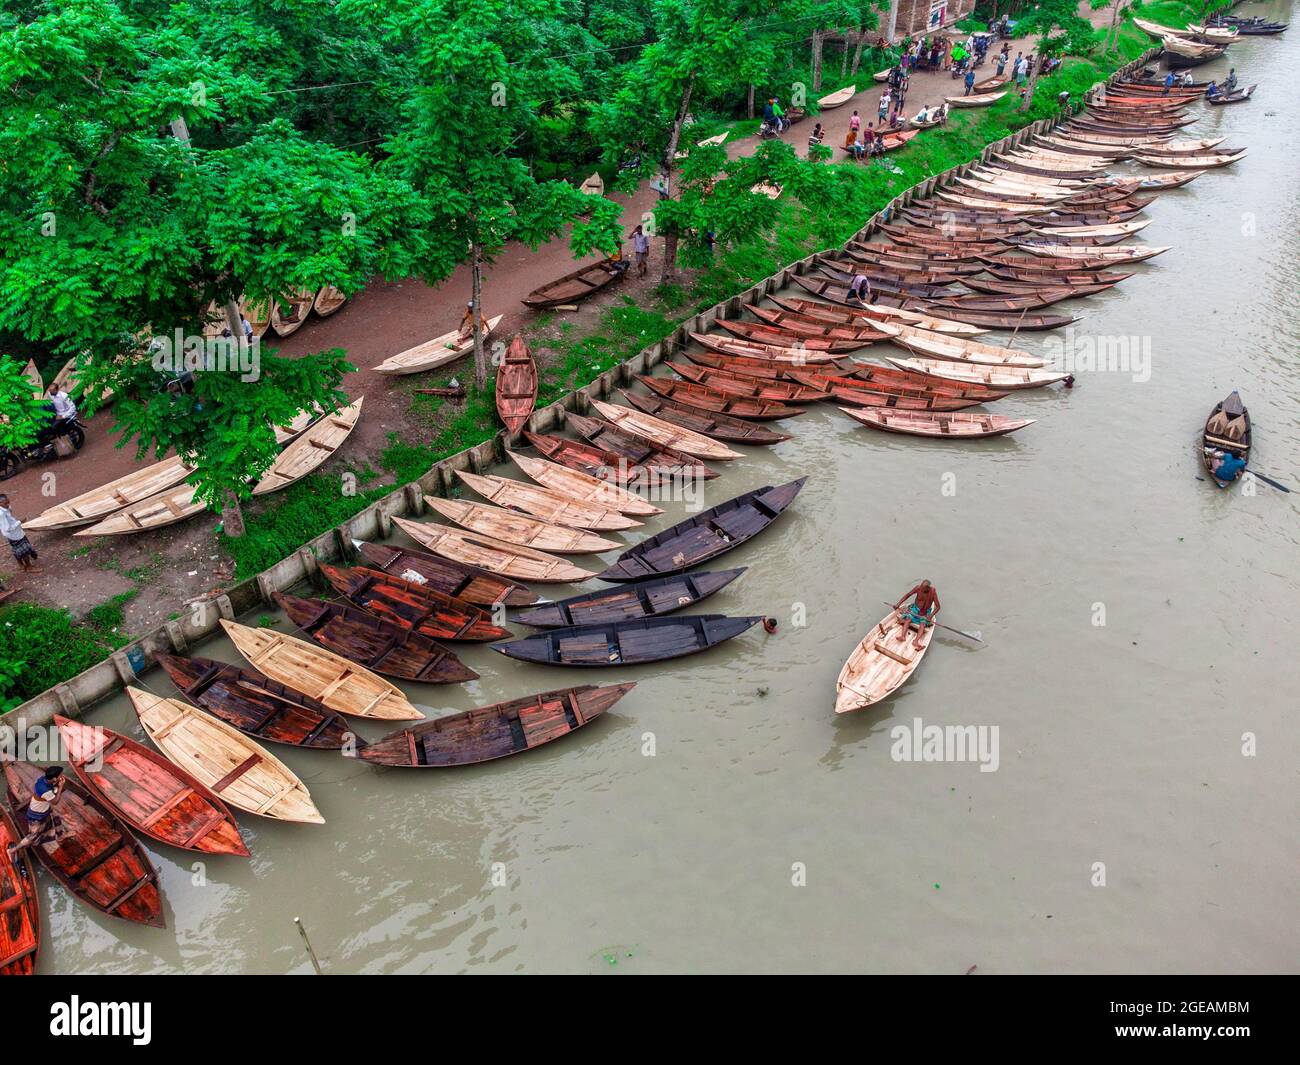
{"type": "Point", "coordinates": [258, 313]}
{"type": "Point", "coordinates": [493, 555]}
{"type": "Point", "coordinates": [663, 433]}
{"type": "Point", "coordinates": [582, 486]}
{"type": "Point", "coordinates": [34, 376]}
{"type": "Point", "coordinates": [1002, 378]}
{"type": "Point", "coordinates": [328, 300]}
{"type": "Point", "coordinates": [718, 139]}
{"type": "Point", "coordinates": [1187, 162]}
{"type": "Point", "coordinates": [881, 75]}
{"type": "Point", "coordinates": [1009, 188]}
{"type": "Point", "coordinates": [516, 386]}
{"type": "Point", "coordinates": [100, 502]}
{"type": "Point", "coordinates": [1112, 230]}
{"type": "Point", "coordinates": [956, 349]}
{"type": "Point", "coordinates": [343, 686]}
{"type": "Point", "coordinates": [287, 322]}
{"type": "Point", "coordinates": [838, 98]}
{"type": "Point", "coordinates": [515, 528]}
{"type": "Point", "coordinates": [969, 199]}
{"type": "Point", "coordinates": [874, 312]}
{"type": "Point", "coordinates": [436, 352]}
{"type": "Point", "coordinates": [772, 192]}
{"type": "Point", "coordinates": [981, 100]}
{"type": "Point", "coordinates": [285, 433]}
{"type": "Point", "coordinates": [1123, 253]}
{"type": "Point", "coordinates": [942, 426]}
{"type": "Point", "coordinates": [231, 765]}
{"type": "Point", "coordinates": [593, 186]}
{"type": "Point", "coordinates": [545, 504]}
{"type": "Point", "coordinates": [880, 664]}
{"type": "Point", "coordinates": [310, 450]}
{"type": "Point", "coordinates": [155, 512]}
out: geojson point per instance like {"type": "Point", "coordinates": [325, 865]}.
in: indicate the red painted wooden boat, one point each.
{"type": "Point", "coordinates": [699, 420]}
{"type": "Point", "coordinates": [717, 402]}
{"type": "Point", "coordinates": [737, 385]}
{"type": "Point", "coordinates": [628, 602]}
{"type": "Point", "coordinates": [793, 356]}
{"type": "Point", "coordinates": [930, 259]}
{"type": "Point", "coordinates": [516, 388]}
{"type": "Point", "coordinates": [902, 382]}
{"type": "Point", "coordinates": [634, 448]}
{"type": "Point", "coordinates": [579, 455]}
{"type": "Point", "coordinates": [456, 579]}
{"type": "Point", "coordinates": [808, 326]}
{"type": "Point", "coordinates": [763, 368]}
{"type": "Point", "coordinates": [412, 605]}
{"type": "Point", "coordinates": [96, 858]}
{"type": "Point", "coordinates": [20, 908]}
{"type": "Point", "coordinates": [495, 731]}
{"type": "Point", "coordinates": [148, 792]}
{"type": "Point", "coordinates": [758, 333]}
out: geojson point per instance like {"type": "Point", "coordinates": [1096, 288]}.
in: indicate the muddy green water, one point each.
{"type": "Point", "coordinates": [1118, 743]}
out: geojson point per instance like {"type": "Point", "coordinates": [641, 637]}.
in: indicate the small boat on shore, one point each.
{"type": "Point", "coordinates": [436, 352]}
{"type": "Point", "coordinates": [516, 386]}
{"type": "Point", "coordinates": [574, 287]}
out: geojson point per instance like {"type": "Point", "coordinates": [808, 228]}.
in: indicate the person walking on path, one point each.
{"type": "Point", "coordinates": [970, 81]}
{"type": "Point", "coordinates": [12, 529]}
{"type": "Point", "coordinates": [641, 247]}
{"type": "Point", "coordinates": [882, 112]}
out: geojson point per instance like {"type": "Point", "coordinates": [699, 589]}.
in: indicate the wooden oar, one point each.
{"type": "Point", "coordinates": [941, 625]}
{"type": "Point", "coordinates": [1268, 480]}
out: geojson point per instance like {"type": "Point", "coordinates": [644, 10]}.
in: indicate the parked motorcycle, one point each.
{"type": "Point", "coordinates": [44, 448]}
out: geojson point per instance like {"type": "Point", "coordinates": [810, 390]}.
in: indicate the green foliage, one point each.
{"type": "Point", "coordinates": [25, 414]}
{"type": "Point", "coordinates": [41, 647]}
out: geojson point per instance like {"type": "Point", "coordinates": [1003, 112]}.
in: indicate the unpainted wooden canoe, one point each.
{"type": "Point", "coordinates": [328, 300]}
{"type": "Point", "coordinates": [412, 605]}
{"type": "Point", "coordinates": [34, 376]}
{"type": "Point", "coordinates": [701, 420]}
{"type": "Point", "coordinates": [582, 486]}
{"type": "Point", "coordinates": [979, 100]}
{"type": "Point", "coordinates": [20, 917]}
{"type": "Point", "coordinates": [453, 578]}
{"type": "Point", "coordinates": [573, 287]}
{"type": "Point", "coordinates": [495, 731]}
{"type": "Point", "coordinates": [497, 556]}
{"type": "Point", "coordinates": [956, 349]}
{"type": "Point", "coordinates": [743, 386]}
{"type": "Point", "coordinates": [797, 356]}
{"type": "Point", "coordinates": [155, 512]}
{"type": "Point", "coordinates": [1125, 253]}
{"type": "Point", "coordinates": [637, 449]}
{"type": "Point", "coordinates": [1187, 162]}
{"type": "Point", "coordinates": [436, 352]}
{"type": "Point", "coordinates": [310, 450]}
{"type": "Point", "coordinates": [620, 643]}
{"type": "Point", "coordinates": [1002, 378]}
{"type": "Point", "coordinates": [98, 503]}
{"type": "Point", "coordinates": [297, 306]}
{"type": "Point", "coordinates": [663, 433]}
{"type": "Point", "coordinates": [343, 686]}
{"type": "Point", "coordinates": [627, 602]}
{"type": "Point", "coordinates": [242, 772]}
{"type": "Point", "coordinates": [702, 397]}
{"type": "Point", "coordinates": [880, 664]}
{"type": "Point", "coordinates": [545, 503]}
{"type": "Point", "coordinates": [594, 185]}
{"type": "Point", "coordinates": [516, 386]}
{"type": "Point", "coordinates": [878, 313]}
{"type": "Point", "coordinates": [958, 426]}
{"type": "Point", "coordinates": [94, 857]}
{"type": "Point", "coordinates": [516, 528]}
{"type": "Point", "coordinates": [150, 793]}
{"type": "Point", "coordinates": [838, 98]}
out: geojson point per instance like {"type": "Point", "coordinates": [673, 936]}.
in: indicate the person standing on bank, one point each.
{"type": "Point", "coordinates": [12, 529]}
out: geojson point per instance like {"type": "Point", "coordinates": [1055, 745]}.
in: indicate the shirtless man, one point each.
{"type": "Point", "coordinates": [919, 615]}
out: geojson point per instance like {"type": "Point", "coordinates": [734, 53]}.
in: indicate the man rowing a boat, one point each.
{"type": "Point", "coordinates": [920, 614]}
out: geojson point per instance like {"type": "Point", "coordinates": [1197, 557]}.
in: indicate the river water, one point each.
{"type": "Point", "coordinates": [1135, 621]}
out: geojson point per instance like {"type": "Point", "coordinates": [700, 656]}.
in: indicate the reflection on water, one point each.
{"type": "Point", "coordinates": [1120, 743]}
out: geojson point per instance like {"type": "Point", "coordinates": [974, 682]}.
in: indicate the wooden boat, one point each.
{"type": "Point", "coordinates": [381, 646]}
{"type": "Point", "coordinates": [67, 380]}
{"type": "Point", "coordinates": [1189, 146]}
{"type": "Point", "coordinates": [625, 643]}
{"type": "Point", "coordinates": [1113, 229]}
{"type": "Point", "coordinates": [717, 139]}
{"type": "Point", "coordinates": [899, 398]}
{"type": "Point", "coordinates": [764, 188]}
{"type": "Point", "coordinates": [257, 313]}
{"type": "Point", "coordinates": [436, 352]}
{"type": "Point", "coordinates": [582, 487]}
{"type": "Point", "coordinates": [880, 280]}
{"type": "Point", "coordinates": [712, 400]}
{"type": "Point", "coordinates": [1002, 378]}
{"type": "Point", "coordinates": [573, 287]}
{"type": "Point", "coordinates": [1001, 287]}
{"type": "Point", "coordinates": [297, 305]}
{"type": "Point", "coordinates": [1022, 321]}
{"type": "Point", "coordinates": [100, 502]}
{"type": "Point", "coordinates": [1014, 272]}
{"type": "Point", "coordinates": [942, 426]}
{"type": "Point", "coordinates": [328, 301]}
{"type": "Point", "coordinates": [759, 333]}
{"type": "Point", "coordinates": [515, 528]}
{"type": "Point", "coordinates": [919, 270]}
{"type": "Point", "coordinates": [412, 605]}
{"type": "Point", "coordinates": [545, 503]}
{"type": "Point", "coordinates": [636, 449]}
{"type": "Point", "coordinates": [797, 322]}
{"type": "Point", "coordinates": [34, 376]}
{"type": "Point", "coordinates": [1041, 297]}
{"type": "Point", "coordinates": [764, 369]}
{"type": "Point", "coordinates": [882, 75]}
{"type": "Point", "coordinates": [956, 349]}
{"type": "Point", "coordinates": [977, 100]}
{"type": "Point", "coordinates": [663, 433]}
{"type": "Point", "coordinates": [594, 185]}
{"type": "Point", "coordinates": [741, 385]}
{"type": "Point", "coordinates": [1187, 162]}
{"type": "Point", "coordinates": [341, 685]}
{"type": "Point", "coordinates": [155, 512]}
{"type": "Point", "coordinates": [259, 707]}
{"type": "Point", "coordinates": [837, 98]}
{"type": "Point", "coordinates": [598, 462]}
{"type": "Point", "coordinates": [460, 581]}
{"type": "Point", "coordinates": [516, 386]}
{"type": "Point", "coordinates": [95, 858]}
{"type": "Point", "coordinates": [310, 450]}
{"type": "Point", "coordinates": [495, 731]}
{"type": "Point", "coordinates": [630, 602]}
{"type": "Point", "coordinates": [704, 536]}
{"type": "Point", "coordinates": [878, 313]}
{"type": "Point", "coordinates": [916, 258]}
{"type": "Point", "coordinates": [149, 793]}
{"type": "Point", "coordinates": [243, 773]}
{"type": "Point", "coordinates": [496, 556]}
{"type": "Point", "coordinates": [705, 421]}
{"type": "Point", "coordinates": [1126, 253]}
{"type": "Point", "coordinates": [1226, 429]}
{"type": "Point", "coordinates": [966, 198]}
{"type": "Point", "coordinates": [990, 83]}
{"type": "Point", "coordinates": [880, 664]}
{"type": "Point", "coordinates": [873, 378]}
{"type": "Point", "coordinates": [793, 356]}
{"type": "Point", "coordinates": [20, 929]}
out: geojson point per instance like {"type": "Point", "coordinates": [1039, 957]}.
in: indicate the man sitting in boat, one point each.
{"type": "Point", "coordinates": [860, 290]}
{"type": "Point", "coordinates": [466, 324]}
{"type": "Point", "coordinates": [920, 614]}
{"type": "Point", "coordinates": [1227, 466]}
{"type": "Point", "coordinates": [40, 809]}
{"type": "Point", "coordinates": [923, 115]}
{"type": "Point", "coordinates": [1186, 81]}
{"type": "Point", "coordinates": [1213, 91]}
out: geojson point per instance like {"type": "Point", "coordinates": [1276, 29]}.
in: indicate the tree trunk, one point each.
{"type": "Point", "coordinates": [1033, 78]}
{"type": "Point", "coordinates": [844, 57]}
{"type": "Point", "coordinates": [1112, 34]}
{"type": "Point", "coordinates": [476, 276]}
{"type": "Point", "coordinates": [666, 177]}
{"type": "Point", "coordinates": [232, 517]}
{"type": "Point", "coordinates": [892, 25]}
{"type": "Point", "coordinates": [749, 103]}
{"type": "Point", "coordinates": [857, 53]}
{"type": "Point", "coordinates": [817, 60]}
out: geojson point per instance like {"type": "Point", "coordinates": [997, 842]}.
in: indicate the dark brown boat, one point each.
{"type": "Point", "coordinates": [445, 575]}
{"type": "Point", "coordinates": [924, 237]}
{"type": "Point", "coordinates": [94, 855]}
{"type": "Point", "coordinates": [20, 904]}
{"type": "Point", "coordinates": [1021, 320]}
{"type": "Point", "coordinates": [1048, 265]}
{"type": "Point", "coordinates": [758, 333]}
{"type": "Point", "coordinates": [413, 606]}
{"type": "Point", "coordinates": [256, 705]}
{"type": "Point", "coordinates": [718, 426]}
{"type": "Point", "coordinates": [885, 255]}
{"type": "Point", "coordinates": [739, 385]}
{"type": "Point", "coordinates": [1004, 287]}
{"type": "Point", "coordinates": [495, 731]}
{"type": "Point", "coordinates": [910, 273]}
{"type": "Point", "coordinates": [626, 643]}
{"type": "Point", "coordinates": [839, 270]}
{"type": "Point", "coordinates": [1041, 297]}
{"type": "Point", "coordinates": [379, 645]}
{"type": "Point", "coordinates": [1069, 277]}
{"type": "Point", "coordinates": [579, 455]}
{"type": "Point", "coordinates": [929, 258]}
{"type": "Point", "coordinates": [516, 386]}
{"type": "Point", "coordinates": [634, 448]}
{"type": "Point", "coordinates": [574, 287]}
{"type": "Point", "coordinates": [148, 792]}
{"type": "Point", "coordinates": [802, 323]}
{"type": "Point", "coordinates": [704, 398]}
{"type": "Point", "coordinates": [764, 368]}
{"type": "Point", "coordinates": [629, 602]}
{"type": "Point", "coordinates": [902, 382]}
{"type": "Point", "coordinates": [704, 536]}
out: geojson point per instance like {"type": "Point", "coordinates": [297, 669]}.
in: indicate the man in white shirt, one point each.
{"type": "Point", "coordinates": [12, 530]}
{"type": "Point", "coordinates": [64, 408]}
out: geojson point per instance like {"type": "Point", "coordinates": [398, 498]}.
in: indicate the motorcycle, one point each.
{"type": "Point", "coordinates": [43, 449]}
{"type": "Point", "coordinates": [766, 130]}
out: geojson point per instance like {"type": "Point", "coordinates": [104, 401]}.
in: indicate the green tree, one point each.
{"type": "Point", "coordinates": [23, 413]}
{"type": "Point", "coordinates": [1058, 28]}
